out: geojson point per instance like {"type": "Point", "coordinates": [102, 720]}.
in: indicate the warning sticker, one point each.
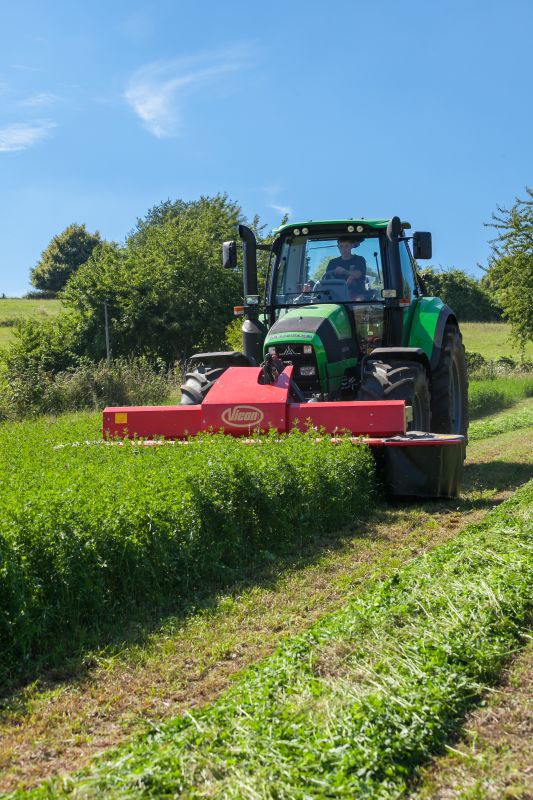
{"type": "Point", "coordinates": [121, 418]}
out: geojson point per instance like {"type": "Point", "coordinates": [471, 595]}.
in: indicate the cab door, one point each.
{"type": "Point", "coordinates": [410, 291]}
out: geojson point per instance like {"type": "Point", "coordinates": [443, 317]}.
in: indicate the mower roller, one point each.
{"type": "Point", "coordinates": [344, 344]}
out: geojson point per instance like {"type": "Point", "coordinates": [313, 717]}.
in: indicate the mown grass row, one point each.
{"type": "Point", "coordinates": [96, 533]}
{"type": "Point", "coordinates": [352, 707]}
{"type": "Point", "coordinates": [510, 420]}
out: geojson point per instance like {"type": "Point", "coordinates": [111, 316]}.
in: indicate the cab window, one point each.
{"type": "Point", "coordinates": [409, 287]}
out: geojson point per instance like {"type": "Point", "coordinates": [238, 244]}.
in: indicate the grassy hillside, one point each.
{"type": "Point", "coordinates": [491, 339]}
{"type": "Point", "coordinates": [15, 308]}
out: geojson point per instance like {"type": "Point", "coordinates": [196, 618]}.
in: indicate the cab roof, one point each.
{"type": "Point", "coordinates": [337, 224]}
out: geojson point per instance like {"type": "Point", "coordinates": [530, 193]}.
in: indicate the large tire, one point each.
{"type": "Point", "coordinates": [449, 386]}
{"type": "Point", "coordinates": [399, 380]}
{"type": "Point", "coordinates": [198, 383]}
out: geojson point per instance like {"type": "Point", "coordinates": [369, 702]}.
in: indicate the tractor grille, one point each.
{"type": "Point", "coordinates": [303, 363]}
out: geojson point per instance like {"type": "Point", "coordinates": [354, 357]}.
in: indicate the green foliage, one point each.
{"type": "Point", "coordinates": [466, 296]}
{"type": "Point", "coordinates": [95, 532]}
{"type": "Point", "coordinates": [38, 351]}
{"type": "Point", "coordinates": [166, 289]}
{"type": "Point", "coordinates": [510, 273]}
{"type": "Point", "coordinates": [233, 339]}
{"type": "Point", "coordinates": [64, 255]}
{"type": "Point", "coordinates": [352, 707]}
{"type": "Point", "coordinates": [30, 387]}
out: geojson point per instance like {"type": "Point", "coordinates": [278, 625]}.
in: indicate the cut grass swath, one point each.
{"type": "Point", "coordinates": [352, 707]}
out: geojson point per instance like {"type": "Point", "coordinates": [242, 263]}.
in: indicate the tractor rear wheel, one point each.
{"type": "Point", "coordinates": [399, 380]}
{"type": "Point", "coordinates": [198, 383]}
{"type": "Point", "coordinates": [449, 394]}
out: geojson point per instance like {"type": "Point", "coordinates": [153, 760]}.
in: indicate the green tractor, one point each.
{"type": "Point", "coordinates": [345, 306]}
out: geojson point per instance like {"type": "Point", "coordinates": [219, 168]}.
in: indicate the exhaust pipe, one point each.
{"type": "Point", "coordinates": [253, 331]}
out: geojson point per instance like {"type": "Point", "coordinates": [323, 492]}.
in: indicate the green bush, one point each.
{"type": "Point", "coordinates": [122, 382]}
{"type": "Point", "coordinates": [38, 378]}
{"type": "Point", "coordinates": [94, 533]}
{"type": "Point", "coordinates": [465, 295]}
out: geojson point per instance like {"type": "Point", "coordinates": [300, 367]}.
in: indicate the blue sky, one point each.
{"type": "Point", "coordinates": [348, 108]}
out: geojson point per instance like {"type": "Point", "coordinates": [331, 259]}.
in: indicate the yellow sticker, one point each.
{"type": "Point", "coordinates": [121, 418]}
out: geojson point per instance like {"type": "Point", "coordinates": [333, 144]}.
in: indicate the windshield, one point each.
{"type": "Point", "coordinates": [324, 270]}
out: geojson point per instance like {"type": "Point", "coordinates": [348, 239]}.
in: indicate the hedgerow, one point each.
{"type": "Point", "coordinates": [98, 532]}
{"type": "Point", "coordinates": [352, 707]}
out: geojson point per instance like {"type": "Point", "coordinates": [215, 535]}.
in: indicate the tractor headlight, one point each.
{"type": "Point", "coordinates": [308, 349]}
{"type": "Point", "coordinates": [307, 372]}
{"type": "Point", "coordinates": [272, 351]}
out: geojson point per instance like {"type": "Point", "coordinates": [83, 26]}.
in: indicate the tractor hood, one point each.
{"type": "Point", "coordinates": [326, 325]}
{"type": "Point", "coordinates": [320, 336]}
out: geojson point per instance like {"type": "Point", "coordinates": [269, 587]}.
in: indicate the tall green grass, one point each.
{"type": "Point", "coordinates": [352, 707]}
{"type": "Point", "coordinates": [488, 396]}
{"type": "Point", "coordinates": [98, 532]}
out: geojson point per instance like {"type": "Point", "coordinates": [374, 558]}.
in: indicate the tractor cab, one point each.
{"type": "Point", "coordinates": [336, 292]}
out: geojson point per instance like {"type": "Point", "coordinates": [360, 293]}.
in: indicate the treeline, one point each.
{"type": "Point", "coordinates": [469, 298]}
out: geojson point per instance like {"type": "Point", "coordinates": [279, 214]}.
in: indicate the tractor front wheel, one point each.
{"type": "Point", "coordinates": [399, 380]}
{"type": "Point", "coordinates": [198, 383]}
{"type": "Point", "coordinates": [449, 392]}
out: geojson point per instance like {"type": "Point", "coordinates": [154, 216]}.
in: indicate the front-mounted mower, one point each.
{"type": "Point", "coordinates": [346, 340]}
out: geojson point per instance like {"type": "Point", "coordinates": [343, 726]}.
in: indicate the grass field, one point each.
{"type": "Point", "coordinates": [491, 339]}
{"type": "Point", "coordinates": [13, 309]}
{"type": "Point", "coordinates": [348, 708]}
{"type": "Point", "coordinates": [58, 722]}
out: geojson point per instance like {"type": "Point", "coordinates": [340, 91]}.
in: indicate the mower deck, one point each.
{"type": "Point", "coordinates": [412, 463]}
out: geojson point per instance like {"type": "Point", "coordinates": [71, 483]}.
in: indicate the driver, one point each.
{"type": "Point", "coordinates": [348, 266]}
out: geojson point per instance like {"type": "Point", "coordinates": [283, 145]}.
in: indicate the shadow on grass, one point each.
{"type": "Point", "coordinates": [263, 570]}
{"type": "Point", "coordinates": [496, 475]}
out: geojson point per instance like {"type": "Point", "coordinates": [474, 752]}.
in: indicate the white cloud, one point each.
{"type": "Point", "coordinates": [40, 100]}
{"type": "Point", "coordinates": [156, 92]}
{"type": "Point", "coordinates": [20, 136]}
{"type": "Point", "coordinates": [272, 190]}
{"type": "Point", "coordinates": [282, 209]}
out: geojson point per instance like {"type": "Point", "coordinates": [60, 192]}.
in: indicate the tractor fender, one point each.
{"type": "Point", "coordinates": [427, 327]}
{"type": "Point", "coordinates": [446, 315]}
{"type": "Point", "coordinates": [389, 354]}
{"type": "Point", "coordinates": [231, 358]}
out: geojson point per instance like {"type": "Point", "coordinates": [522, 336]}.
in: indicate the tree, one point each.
{"type": "Point", "coordinates": [64, 255]}
{"type": "Point", "coordinates": [166, 290]}
{"type": "Point", "coordinates": [465, 295]}
{"type": "Point", "coordinates": [510, 273]}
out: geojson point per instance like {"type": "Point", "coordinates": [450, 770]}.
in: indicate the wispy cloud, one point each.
{"type": "Point", "coordinates": [40, 100]}
{"type": "Point", "coordinates": [272, 191]}
{"type": "Point", "coordinates": [20, 136]}
{"type": "Point", "coordinates": [283, 210]}
{"type": "Point", "coordinates": [156, 92]}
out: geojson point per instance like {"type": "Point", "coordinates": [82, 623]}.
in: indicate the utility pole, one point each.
{"type": "Point", "coordinates": [106, 324]}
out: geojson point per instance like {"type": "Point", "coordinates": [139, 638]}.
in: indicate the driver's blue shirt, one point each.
{"type": "Point", "coordinates": [354, 263]}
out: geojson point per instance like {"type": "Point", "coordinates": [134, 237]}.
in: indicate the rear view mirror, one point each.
{"type": "Point", "coordinates": [422, 245]}
{"type": "Point", "coordinates": [229, 255]}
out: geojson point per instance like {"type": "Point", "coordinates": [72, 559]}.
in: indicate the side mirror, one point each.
{"type": "Point", "coordinates": [422, 245]}
{"type": "Point", "coordinates": [229, 255]}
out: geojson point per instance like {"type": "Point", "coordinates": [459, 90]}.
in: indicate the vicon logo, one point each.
{"type": "Point", "coordinates": [242, 416]}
